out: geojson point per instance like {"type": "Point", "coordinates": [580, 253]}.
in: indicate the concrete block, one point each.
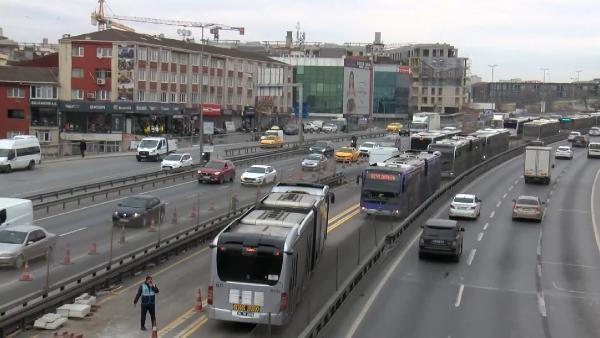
{"type": "Point", "coordinates": [74, 310]}
{"type": "Point", "coordinates": [85, 299]}
{"type": "Point", "coordinates": [50, 321]}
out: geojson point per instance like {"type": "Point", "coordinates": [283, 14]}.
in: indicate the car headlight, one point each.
{"type": "Point", "coordinates": [217, 173]}
{"type": "Point", "coordinates": [136, 214]}
{"type": "Point", "coordinates": [116, 213]}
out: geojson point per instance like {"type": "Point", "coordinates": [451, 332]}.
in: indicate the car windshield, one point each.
{"type": "Point", "coordinates": [463, 199]}
{"type": "Point", "coordinates": [133, 202]}
{"type": "Point", "coordinates": [367, 145]}
{"type": "Point", "coordinates": [329, 125]}
{"type": "Point", "coordinates": [315, 157]}
{"type": "Point", "coordinates": [173, 157]}
{"type": "Point", "coordinates": [436, 231]}
{"type": "Point", "coordinates": [4, 152]}
{"type": "Point", "coordinates": [214, 165]}
{"type": "Point", "coordinates": [12, 237]}
{"type": "Point", "coordinates": [148, 143]}
{"type": "Point", "coordinates": [527, 201]}
{"type": "Point", "coordinates": [564, 148]}
{"type": "Point", "coordinates": [345, 150]}
{"type": "Point", "coordinates": [256, 170]}
{"type": "Point", "coordinates": [575, 133]}
{"type": "Point", "coordinates": [594, 145]}
{"type": "Point", "coordinates": [320, 145]}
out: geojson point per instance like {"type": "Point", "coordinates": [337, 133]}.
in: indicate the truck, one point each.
{"type": "Point", "coordinates": [424, 122]}
{"type": "Point", "coordinates": [154, 148]}
{"type": "Point", "coordinates": [538, 164]}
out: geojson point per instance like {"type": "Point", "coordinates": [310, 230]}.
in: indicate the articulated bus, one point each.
{"type": "Point", "coordinates": [458, 154]}
{"type": "Point", "coordinates": [399, 185]}
{"type": "Point", "coordinates": [494, 141]}
{"type": "Point", "coordinates": [577, 122]}
{"type": "Point", "coordinates": [515, 125]}
{"type": "Point", "coordinates": [261, 262]}
{"type": "Point", "coordinates": [539, 129]}
{"type": "Point", "coordinates": [422, 140]}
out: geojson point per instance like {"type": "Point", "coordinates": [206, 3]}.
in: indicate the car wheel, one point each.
{"type": "Point", "coordinates": [31, 165]}
{"type": "Point", "coordinates": [20, 262]}
{"type": "Point", "coordinates": [8, 169]}
{"type": "Point", "coordinates": [456, 258]}
{"type": "Point", "coordinates": [221, 180]}
{"type": "Point", "coordinates": [139, 159]}
{"type": "Point", "coordinates": [421, 255]}
{"type": "Point", "coordinates": [231, 178]}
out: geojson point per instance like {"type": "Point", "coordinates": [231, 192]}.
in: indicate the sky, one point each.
{"type": "Point", "coordinates": [519, 36]}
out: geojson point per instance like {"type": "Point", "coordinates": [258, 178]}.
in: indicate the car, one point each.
{"type": "Point", "coordinates": [311, 127]}
{"type": "Point", "coordinates": [346, 154]}
{"type": "Point", "coordinates": [450, 128]}
{"type": "Point", "coordinates": [593, 150]}
{"type": "Point", "coordinates": [176, 161]}
{"type": "Point", "coordinates": [314, 161]}
{"type": "Point", "coordinates": [580, 141]}
{"type": "Point", "coordinates": [21, 243]}
{"type": "Point", "coordinates": [139, 211]}
{"type": "Point", "coordinates": [536, 142]}
{"type": "Point", "coordinates": [564, 152]}
{"type": "Point", "coordinates": [572, 135]}
{"type": "Point", "coordinates": [291, 129]}
{"type": "Point", "coordinates": [330, 128]}
{"type": "Point", "coordinates": [528, 207]}
{"type": "Point", "coordinates": [322, 147]}
{"type": "Point", "coordinates": [594, 131]}
{"type": "Point", "coordinates": [366, 147]}
{"type": "Point", "coordinates": [393, 127]}
{"type": "Point", "coordinates": [216, 171]}
{"type": "Point", "coordinates": [465, 205]}
{"type": "Point", "coordinates": [404, 132]}
{"type": "Point", "coordinates": [441, 237]}
{"type": "Point", "coordinates": [259, 175]}
{"type": "Point", "coordinates": [219, 131]}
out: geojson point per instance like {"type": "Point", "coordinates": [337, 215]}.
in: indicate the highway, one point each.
{"type": "Point", "coordinates": [515, 279]}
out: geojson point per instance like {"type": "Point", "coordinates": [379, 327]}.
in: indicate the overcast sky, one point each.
{"type": "Point", "coordinates": [520, 36]}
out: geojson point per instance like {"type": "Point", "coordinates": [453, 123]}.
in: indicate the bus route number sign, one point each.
{"type": "Point", "coordinates": [382, 176]}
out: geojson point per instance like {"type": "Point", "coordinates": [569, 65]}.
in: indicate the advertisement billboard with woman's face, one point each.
{"type": "Point", "coordinates": [357, 87]}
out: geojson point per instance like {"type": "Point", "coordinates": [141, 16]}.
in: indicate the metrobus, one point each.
{"type": "Point", "coordinates": [401, 184]}
{"type": "Point", "coordinates": [420, 141]}
{"type": "Point", "coordinates": [539, 129]}
{"type": "Point", "coordinates": [261, 262]}
{"type": "Point", "coordinates": [458, 154]}
{"type": "Point", "coordinates": [515, 125]}
{"type": "Point", "coordinates": [493, 141]}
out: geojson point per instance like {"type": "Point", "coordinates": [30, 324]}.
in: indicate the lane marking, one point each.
{"type": "Point", "coordinates": [461, 288]}
{"type": "Point", "coordinates": [342, 221]}
{"type": "Point", "coordinates": [485, 226]}
{"type": "Point", "coordinates": [541, 303]}
{"type": "Point", "coordinates": [551, 192]}
{"type": "Point", "coordinates": [571, 265]}
{"type": "Point", "coordinates": [176, 322]}
{"type": "Point", "coordinates": [516, 181]}
{"type": "Point", "coordinates": [188, 331]}
{"type": "Point", "coordinates": [72, 232]}
{"type": "Point", "coordinates": [498, 204]}
{"type": "Point", "coordinates": [592, 204]}
{"type": "Point", "coordinates": [511, 187]}
{"type": "Point", "coordinates": [479, 237]}
{"type": "Point", "coordinates": [504, 196]}
{"type": "Point", "coordinates": [538, 250]}
{"type": "Point", "coordinates": [492, 214]}
{"type": "Point", "coordinates": [471, 256]}
{"type": "Point", "coordinates": [344, 212]}
{"type": "Point", "coordinates": [539, 270]}
{"type": "Point", "coordinates": [379, 287]}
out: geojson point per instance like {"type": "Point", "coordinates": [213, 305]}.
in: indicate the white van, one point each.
{"type": "Point", "coordinates": [15, 211]}
{"type": "Point", "coordinates": [382, 154]}
{"type": "Point", "coordinates": [20, 152]}
{"type": "Point", "coordinates": [593, 149]}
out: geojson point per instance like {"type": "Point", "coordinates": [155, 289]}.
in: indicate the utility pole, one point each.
{"type": "Point", "coordinates": [544, 70]}
{"type": "Point", "coordinates": [492, 67]}
{"type": "Point", "coordinates": [577, 71]}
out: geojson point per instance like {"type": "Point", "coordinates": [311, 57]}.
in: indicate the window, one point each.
{"type": "Point", "coordinates": [173, 97]}
{"type": "Point", "coordinates": [195, 78]}
{"type": "Point", "coordinates": [424, 91]}
{"type": "Point", "coordinates": [103, 73]}
{"type": "Point", "coordinates": [456, 91]}
{"type": "Point", "coordinates": [205, 80]}
{"type": "Point", "coordinates": [195, 59]}
{"type": "Point", "coordinates": [432, 91]}
{"type": "Point", "coordinates": [142, 75]}
{"type": "Point", "coordinates": [102, 94]}
{"type": "Point", "coordinates": [152, 96]}
{"type": "Point", "coordinates": [15, 92]}
{"type": "Point", "coordinates": [164, 55]}
{"type": "Point", "coordinates": [77, 72]}
{"type": "Point", "coordinates": [163, 97]}
{"type": "Point", "coordinates": [15, 114]}
{"type": "Point", "coordinates": [425, 99]}
{"type": "Point", "coordinates": [173, 77]}
{"type": "Point", "coordinates": [44, 135]}
{"type": "Point", "coordinates": [142, 53]}
{"type": "Point", "coordinates": [76, 94]}
{"type": "Point", "coordinates": [183, 97]}
{"type": "Point", "coordinates": [182, 78]}
{"type": "Point", "coordinates": [204, 60]}
{"type": "Point", "coordinates": [77, 51]}
{"type": "Point", "coordinates": [195, 97]}
{"type": "Point", "coordinates": [44, 92]}
{"type": "Point", "coordinates": [174, 57]}
{"type": "Point", "coordinates": [153, 75]}
{"type": "Point", "coordinates": [164, 77]}
{"type": "Point", "coordinates": [141, 96]}
{"type": "Point", "coordinates": [103, 52]}
{"type": "Point", "coordinates": [183, 59]}
{"type": "Point", "coordinates": [154, 55]}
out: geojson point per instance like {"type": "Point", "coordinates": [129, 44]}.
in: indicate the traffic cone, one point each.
{"type": "Point", "coordinates": [174, 220]}
{"type": "Point", "coordinates": [67, 258]}
{"type": "Point", "coordinates": [154, 330]}
{"type": "Point", "coordinates": [198, 304]}
{"type": "Point", "coordinates": [211, 206]}
{"type": "Point", "coordinates": [25, 277]}
{"type": "Point", "coordinates": [152, 227]}
{"type": "Point", "coordinates": [93, 248]}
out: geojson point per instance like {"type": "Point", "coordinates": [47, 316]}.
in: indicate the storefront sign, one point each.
{"type": "Point", "coordinates": [211, 109]}
{"type": "Point", "coordinates": [43, 103]}
{"type": "Point", "coordinates": [140, 108]}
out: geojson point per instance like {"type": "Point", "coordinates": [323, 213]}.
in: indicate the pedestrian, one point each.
{"type": "Point", "coordinates": [148, 293]}
{"type": "Point", "coordinates": [82, 148]}
{"type": "Point", "coordinates": [353, 141]}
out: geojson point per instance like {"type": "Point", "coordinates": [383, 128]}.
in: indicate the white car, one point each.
{"type": "Point", "coordinates": [564, 152]}
{"type": "Point", "coordinates": [465, 205]}
{"type": "Point", "coordinates": [366, 147]}
{"type": "Point", "coordinates": [330, 128]}
{"type": "Point", "coordinates": [594, 131]}
{"type": "Point", "coordinates": [259, 175]}
{"type": "Point", "coordinates": [572, 135]}
{"type": "Point", "coordinates": [176, 161]}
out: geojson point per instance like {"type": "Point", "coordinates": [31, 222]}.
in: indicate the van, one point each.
{"type": "Point", "coordinates": [15, 211]}
{"type": "Point", "coordinates": [382, 154]}
{"type": "Point", "coordinates": [19, 153]}
{"type": "Point", "coordinates": [593, 150]}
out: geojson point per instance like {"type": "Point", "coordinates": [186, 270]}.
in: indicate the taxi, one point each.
{"type": "Point", "coordinates": [394, 127]}
{"type": "Point", "coordinates": [271, 141]}
{"type": "Point", "coordinates": [346, 154]}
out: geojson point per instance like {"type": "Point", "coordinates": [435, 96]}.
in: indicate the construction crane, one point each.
{"type": "Point", "coordinates": [107, 21]}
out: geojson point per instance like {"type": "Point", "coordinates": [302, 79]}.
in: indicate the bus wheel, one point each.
{"type": "Point", "coordinates": [31, 165]}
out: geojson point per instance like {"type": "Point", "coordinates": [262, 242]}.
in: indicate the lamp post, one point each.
{"type": "Point", "coordinates": [544, 70]}
{"type": "Point", "coordinates": [492, 67]}
{"type": "Point", "coordinates": [577, 71]}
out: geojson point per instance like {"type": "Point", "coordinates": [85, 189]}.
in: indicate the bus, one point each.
{"type": "Point", "coordinates": [420, 141]}
{"type": "Point", "coordinates": [493, 141]}
{"type": "Point", "coordinates": [539, 129]}
{"type": "Point", "coordinates": [262, 261]}
{"type": "Point", "coordinates": [515, 125]}
{"type": "Point", "coordinates": [458, 154]}
{"type": "Point", "coordinates": [399, 185]}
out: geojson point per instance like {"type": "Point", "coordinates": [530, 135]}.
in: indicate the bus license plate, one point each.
{"type": "Point", "coordinates": [246, 308]}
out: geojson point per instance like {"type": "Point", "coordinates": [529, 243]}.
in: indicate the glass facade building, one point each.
{"type": "Point", "coordinates": [391, 91]}
{"type": "Point", "coordinates": [323, 88]}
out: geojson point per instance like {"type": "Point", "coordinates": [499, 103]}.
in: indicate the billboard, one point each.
{"type": "Point", "coordinates": [125, 79]}
{"type": "Point", "coordinates": [357, 87]}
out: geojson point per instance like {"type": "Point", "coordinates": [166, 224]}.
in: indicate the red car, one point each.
{"type": "Point", "coordinates": [217, 171]}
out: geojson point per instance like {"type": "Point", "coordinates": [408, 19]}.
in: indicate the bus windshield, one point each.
{"type": "Point", "coordinates": [417, 143]}
{"type": "Point", "coordinates": [510, 124]}
{"type": "Point", "coordinates": [418, 126]}
{"type": "Point", "coordinates": [259, 268]}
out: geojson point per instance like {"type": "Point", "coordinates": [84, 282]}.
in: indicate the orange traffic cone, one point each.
{"type": "Point", "coordinates": [25, 277]}
{"type": "Point", "coordinates": [198, 304]}
{"type": "Point", "coordinates": [67, 258]}
{"type": "Point", "coordinates": [93, 248]}
{"type": "Point", "coordinates": [152, 227]}
{"type": "Point", "coordinates": [154, 330]}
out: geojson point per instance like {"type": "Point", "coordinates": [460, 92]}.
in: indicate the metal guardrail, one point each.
{"type": "Point", "coordinates": [327, 311]}
{"type": "Point", "coordinates": [23, 311]}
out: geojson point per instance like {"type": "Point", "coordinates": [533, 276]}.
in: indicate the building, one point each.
{"type": "Point", "coordinates": [438, 76]}
{"type": "Point", "coordinates": [12, 52]}
{"type": "Point", "coordinates": [28, 102]}
{"type": "Point", "coordinates": [391, 91]}
{"type": "Point", "coordinates": [116, 84]}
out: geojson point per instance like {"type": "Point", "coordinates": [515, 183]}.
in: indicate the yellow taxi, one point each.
{"type": "Point", "coordinates": [394, 127]}
{"type": "Point", "coordinates": [346, 154]}
{"type": "Point", "coordinates": [271, 141]}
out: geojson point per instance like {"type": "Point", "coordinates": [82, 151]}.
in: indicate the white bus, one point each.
{"type": "Point", "coordinates": [19, 152]}
{"type": "Point", "coordinates": [262, 261]}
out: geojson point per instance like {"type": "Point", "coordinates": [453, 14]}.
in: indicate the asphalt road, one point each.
{"type": "Point", "coordinates": [515, 279]}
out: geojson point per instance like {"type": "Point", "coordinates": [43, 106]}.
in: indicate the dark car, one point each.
{"type": "Point", "coordinates": [441, 237]}
{"type": "Point", "coordinates": [140, 211]}
{"type": "Point", "coordinates": [219, 131]}
{"type": "Point", "coordinates": [216, 171]}
{"type": "Point", "coordinates": [291, 129]}
{"type": "Point", "coordinates": [580, 141]}
{"type": "Point", "coordinates": [404, 132]}
{"type": "Point", "coordinates": [322, 147]}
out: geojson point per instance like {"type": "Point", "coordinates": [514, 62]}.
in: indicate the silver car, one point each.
{"type": "Point", "coordinates": [314, 162]}
{"type": "Point", "coordinates": [528, 207]}
{"type": "Point", "coordinates": [20, 243]}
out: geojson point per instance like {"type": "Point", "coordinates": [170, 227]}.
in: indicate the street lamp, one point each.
{"type": "Point", "coordinates": [577, 71]}
{"type": "Point", "coordinates": [492, 67]}
{"type": "Point", "coordinates": [544, 70]}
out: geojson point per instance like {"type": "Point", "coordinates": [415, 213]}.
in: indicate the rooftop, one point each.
{"type": "Point", "coordinates": [29, 74]}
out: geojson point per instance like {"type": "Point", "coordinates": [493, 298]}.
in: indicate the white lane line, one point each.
{"type": "Point", "coordinates": [479, 237]}
{"type": "Point", "coordinates": [382, 282]}
{"type": "Point", "coordinates": [516, 181]}
{"type": "Point", "coordinates": [72, 232]}
{"type": "Point", "coordinates": [498, 204]}
{"type": "Point", "coordinates": [486, 226]}
{"type": "Point", "coordinates": [592, 208]}
{"type": "Point", "coordinates": [461, 288]}
{"type": "Point", "coordinates": [551, 192]}
{"type": "Point", "coordinates": [539, 270]}
{"type": "Point", "coordinates": [504, 196]}
{"type": "Point", "coordinates": [492, 214]}
{"type": "Point", "coordinates": [471, 256]}
{"type": "Point", "coordinates": [541, 303]}
{"type": "Point", "coordinates": [511, 187]}
{"type": "Point", "coordinates": [538, 250]}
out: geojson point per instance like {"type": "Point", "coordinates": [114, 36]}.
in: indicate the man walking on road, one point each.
{"type": "Point", "coordinates": [82, 148]}
{"type": "Point", "coordinates": [147, 291]}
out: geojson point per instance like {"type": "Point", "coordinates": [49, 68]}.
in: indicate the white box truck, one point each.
{"type": "Point", "coordinates": [538, 164]}
{"type": "Point", "coordinates": [154, 148]}
{"type": "Point", "coordinates": [424, 122]}
{"type": "Point", "coordinates": [15, 211]}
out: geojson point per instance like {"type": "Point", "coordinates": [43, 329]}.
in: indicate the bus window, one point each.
{"type": "Point", "coordinates": [252, 265]}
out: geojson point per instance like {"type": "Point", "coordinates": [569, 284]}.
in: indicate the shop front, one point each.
{"type": "Point", "coordinates": [45, 120]}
